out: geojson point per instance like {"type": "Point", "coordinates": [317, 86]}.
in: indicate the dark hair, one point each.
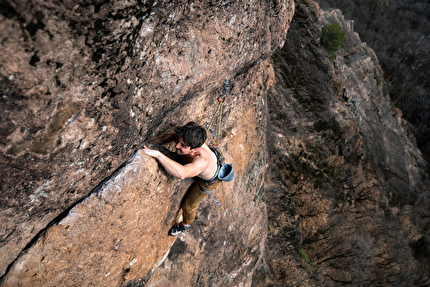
{"type": "Point", "coordinates": [193, 135]}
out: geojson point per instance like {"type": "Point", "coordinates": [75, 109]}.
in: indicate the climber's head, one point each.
{"type": "Point", "coordinates": [191, 136]}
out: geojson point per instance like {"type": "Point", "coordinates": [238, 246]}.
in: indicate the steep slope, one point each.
{"type": "Point", "coordinates": [398, 31]}
{"type": "Point", "coordinates": [347, 199]}
{"type": "Point", "coordinates": [84, 85]}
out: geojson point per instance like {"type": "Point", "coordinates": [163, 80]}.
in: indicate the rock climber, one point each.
{"type": "Point", "coordinates": [200, 161]}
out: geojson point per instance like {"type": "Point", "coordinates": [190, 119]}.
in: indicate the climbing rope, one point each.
{"type": "Point", "coordinates": [229, 221]}
{"type": "Point", "coordinates": [216, 138]}
{"type": "Point", "coordinates": [221, 100]}
{"type": "Point", "coordinates": [223, 207]}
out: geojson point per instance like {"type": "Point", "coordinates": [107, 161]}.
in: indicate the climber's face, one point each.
{"type": "Point", "coordinates": [182, 148]}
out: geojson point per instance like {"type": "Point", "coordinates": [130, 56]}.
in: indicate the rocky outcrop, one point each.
{"type": "Point", "coordinates": [398, 32]}
{"type": "Point", "coordinates": [84, 84]}
{"type": "Point", "coordinates": [347, 198]}
{"type": "Point", "coordinates": [118, 234]}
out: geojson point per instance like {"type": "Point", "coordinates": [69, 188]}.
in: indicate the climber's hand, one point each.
{"type": "Point", "coordinates": [151, 152]}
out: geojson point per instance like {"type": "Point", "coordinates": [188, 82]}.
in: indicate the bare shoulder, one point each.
{"type": "Point", "coordinates": [205, 152]}
{"type": "Point", "coordinates": [206, 148]}
{"type": "Point", "coordinates": [201, 158]}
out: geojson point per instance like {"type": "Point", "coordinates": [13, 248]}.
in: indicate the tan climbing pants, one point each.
{"type": "Point", "coordinates": [193, 196]}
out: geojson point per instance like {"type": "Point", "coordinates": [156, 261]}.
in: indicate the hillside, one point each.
{"type": "Point", "coordinates": [399, 32]}
{"type": "Point", "coordinates": [347, 194]}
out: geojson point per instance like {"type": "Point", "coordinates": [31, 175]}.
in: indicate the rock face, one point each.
{"type": "Point", "coordinates": [347, 198]}
{"type": "Point", "coordinates": [84, 84]}
{"type": "Point", "coordinates": [118, 234]}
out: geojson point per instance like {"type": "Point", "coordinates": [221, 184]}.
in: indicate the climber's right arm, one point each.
{"type": "Point", "coordinates": [198, 165]}
{"type": "Point", "coordinates": [167, 138]}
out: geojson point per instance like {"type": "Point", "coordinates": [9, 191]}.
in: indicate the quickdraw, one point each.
{"type": "Point", "coordinates": [220, 204]}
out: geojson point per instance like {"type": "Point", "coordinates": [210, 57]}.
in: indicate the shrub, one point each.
{"type": "Point", "coordinates": [378, 79]}
{"type": "Point", "coordinates": [306, 258]}
{"type": "Point", "coordinates": [332, 38]}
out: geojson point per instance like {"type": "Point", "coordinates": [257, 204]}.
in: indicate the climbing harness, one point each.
{"type": "Point", "coordinates": [221, 100]}
{"type": "Point", "coordinates": [226, 170]}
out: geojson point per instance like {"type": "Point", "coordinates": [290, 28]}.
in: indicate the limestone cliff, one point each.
{"type": "Point", "coordinates": [84, 84]}
{"type": "Point", "coordinates": [347, 196]}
